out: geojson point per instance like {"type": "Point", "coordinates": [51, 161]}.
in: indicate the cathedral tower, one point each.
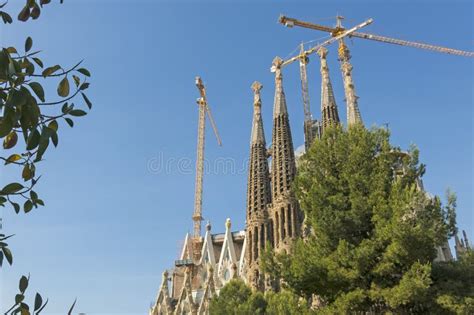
{"type": "Point", "coordinates": [258, 195]}
{"type": "Point", "coordinates": [285, 215]}
{"type": "Point", "coordinates": [329, 113]}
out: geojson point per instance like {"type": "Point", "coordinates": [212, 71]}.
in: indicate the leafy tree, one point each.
{"type": "Point", "coordinates": [285, 303]}
{"type": "Point", "coordinates": [374, 232]}
{"type": "Point", "coordinates": [237, 298]}
{"type": "Point", "coordinates": [30, 121]}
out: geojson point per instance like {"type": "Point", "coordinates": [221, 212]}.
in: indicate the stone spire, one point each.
{"type": "Point", "coordinates": [285, 216]}
{"type": "Point", "coordinates": [283, 157]}
{"type": "Point", "coordinates": [258, 194]}
{"type": "Point", "coordinates": [329, 113]}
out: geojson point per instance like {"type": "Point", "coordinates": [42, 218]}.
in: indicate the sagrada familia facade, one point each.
{"type": "Point", "coordinates": [273, 216]}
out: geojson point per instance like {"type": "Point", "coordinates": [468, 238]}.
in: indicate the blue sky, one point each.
{"type": "Point", "coordinates": [114, 221]}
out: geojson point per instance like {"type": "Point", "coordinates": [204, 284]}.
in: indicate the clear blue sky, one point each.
{"type": "Point", "coordinates": [110, 225]}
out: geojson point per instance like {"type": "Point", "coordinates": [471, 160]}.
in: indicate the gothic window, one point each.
{"type": "Point", "coordinates": [282, 225]}
{"type": "Point", "coordinates": [262, 236]}
{"type": "Point", "coordinates": [250, 246]}
{"type": "Point", "coordinates": [289, 218]}
{"type": "Point", "coordinates": [226, 274]}
{"type": "Point", "coordinates": [255, 243]}
{"type": "Point", "coordinates": [277, 229]}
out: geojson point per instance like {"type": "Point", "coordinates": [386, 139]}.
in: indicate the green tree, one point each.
{"type": "Point", "coordinates": [373, 230]}
{"type": "Point", "coordinates": [30, 122]}
{"type": "Point", "coordinates": [285, 303]}
{"type": "Point", "coordinates": [236, 298]}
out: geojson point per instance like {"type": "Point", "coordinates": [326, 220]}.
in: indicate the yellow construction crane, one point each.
{"type": "Point", "coordinates": [334, 31]}
{"type": "Point", "coordinates": [353, 114]}
{"type": "Point", "coordinates": [310, 131]}
{"type": "Point", "coordinates": [203, 110]}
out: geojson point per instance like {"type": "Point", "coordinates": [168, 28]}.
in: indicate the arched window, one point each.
{"type": "Point", "coordinates": [289, 218]}
{"type": "Point", "coordinates": [270, 232]}
{"type": "Point", "coordinates": [277, 229]}
{"type": "Point", "coordinates": [249, 246]}
{"type": "Point", "coordinates": [255, 243]}
{"type": "Point", "coordinates": [282, 225]}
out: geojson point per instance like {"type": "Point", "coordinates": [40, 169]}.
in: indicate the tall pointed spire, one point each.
{"type": "Point", "coordinates": [258, 194]}
{"type": "Point", "coordinates": [329, 112]}
{"type": "Point", "coordinates": [283, 157]}
{"type": "Point", "coordinates": [285, 215]}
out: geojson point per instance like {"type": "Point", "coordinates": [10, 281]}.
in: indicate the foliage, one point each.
{"type": "Point", "coordinates": [29, 123]}
{"type": "Point", "coordinates": [21, 306]}
{"type": "Point", "coordinates": [238, 299]}
{"type": "Point", "coordinates": [373, 230]}
{"type": "Point", "coordinates": [285, 302]}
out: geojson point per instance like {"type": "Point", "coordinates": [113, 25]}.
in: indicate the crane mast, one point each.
{"type": "Point", "coordinates": [204, 109]}
{"type": "Point", "coordinates": [308, 118]}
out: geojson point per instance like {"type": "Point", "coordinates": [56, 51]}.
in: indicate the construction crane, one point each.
{"type": "Point", "coordinates": [310, 130]}
{"type": "Point", "coordinates": [353, 114]}
{"type": "Point", "coordinates": [334, 31]}
{"type": "Point", "coordinates": [203, 111]}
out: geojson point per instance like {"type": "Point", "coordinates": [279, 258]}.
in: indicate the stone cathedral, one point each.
{"type": "Point", "coordinates": [273, 216]}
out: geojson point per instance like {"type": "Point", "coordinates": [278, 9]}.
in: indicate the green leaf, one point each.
{"type": "Point", "coordinates": [13, 158]}
{"type": "Point", "coordinates": [38, 301]}
{"type": "Point", "coordinates": [35, 12]}
{"type": "Point", "coordinates": [49, 71]}
{"type": "Point", "coordinates": [28, 44]}
{"type": "Point", "coordinates": [54, 138]}
{"type": "Point", "coordinates": [16, 207]}
{"type": "Point", "coordinates": [19, 298]}
{"type": "Point", "coordinates": [23, 284]}
{"type": "Point", "coordinates": [12, 50]}
{"type": "Point", "coordinates": [8, 255]}
{"type": "Point", "coordinates": [10, 140]}
{"type": "Point", "coordinates": [28, 206]}
{"type": "Point", "coordinates": [6, 126]}
{"type": "Point", "coordinates": [84, 86]}
{"type": "Point", "coordinates": [38, 89]}
{"type": "Point", "coordinates": [77, 80]}
{"type": "Point", "coordinates": [86, 99]}
{"type": "Point", "coordinates": [7, 19]}
{"type": "Point", "coordinates": [65, 108]}
{"type": "Point", "coordinates": [33, 140]}
{"type": "Point", "coordinates": [63, 87]}
{"type": "Point", "coordinates": [43, 143]}
{"type": "Point", "coordinates": [33, 195]}
{"type": "Point", "coordinates": [70, 122]}
{"type": "Point", "coordinates": [12, 188]}
{"type": "Point", "coordinates": [27, 173]}
{"type": "Point", "coordinates": [24, 14]}
{"type": "Point", "coordinates": [77, 113]}
{"type": "Point", "coordinates": [53, 125]}
{"type": "Point", "coordinates": [84, 71]}
{"type": "Point", "coordinates": [40, 202]}
{"type": "Point", "coordinates": [38, 61]}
